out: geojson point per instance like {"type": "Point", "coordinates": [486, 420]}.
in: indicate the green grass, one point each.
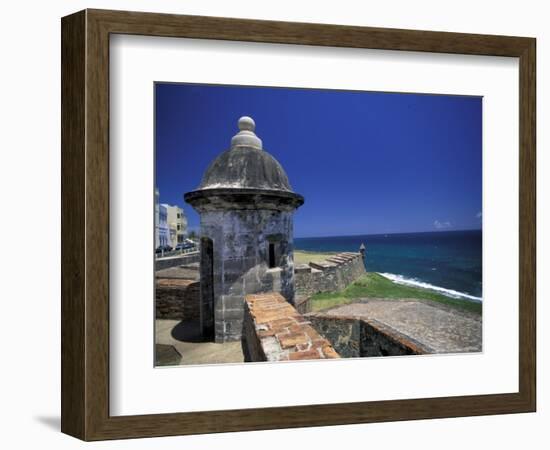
{"type": "Point", "coordinates": [376, 286]}
{"type": "Point", "coordinates": [302, 257]}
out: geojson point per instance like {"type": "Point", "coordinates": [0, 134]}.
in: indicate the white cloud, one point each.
{"type": "Point", "coordinates": [442, 225]}
{"type": "Point", "coordinates": [479, 215]}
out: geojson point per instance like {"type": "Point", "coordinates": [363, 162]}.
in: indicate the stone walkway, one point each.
{"type": "Point", "coordinates": [441, 328]}
{"type": "Point", "coordinates": [189, 272]}
{"type": "Point", "coordinates": [185, 337]}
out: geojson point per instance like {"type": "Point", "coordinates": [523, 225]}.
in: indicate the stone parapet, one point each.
{"type": "Point", "coordinates": [322, 265]}
{"type": "Point", "coordinates": [274, 331]}
{"type": "Point", "coordinates": [177, 299]}
{"type": "Point", "coordinates": [177, 260]}
{"type": "Point", "coordinates": [333, 274]}
{"type": "Point", "coordinates": [302, 268]}
{"type": "Point", "coordinates": [356, 337]}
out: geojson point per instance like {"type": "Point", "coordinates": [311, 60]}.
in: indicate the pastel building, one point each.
{"type": "Point", "coordinates": [157, 218]}
{"type": "Point", "coordinates": [163, 229]}
{"type": "Point", "coordinates": [177, 224]}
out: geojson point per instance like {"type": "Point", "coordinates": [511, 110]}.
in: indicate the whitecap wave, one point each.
{"type": "Point", "coordinates": [400, 279]}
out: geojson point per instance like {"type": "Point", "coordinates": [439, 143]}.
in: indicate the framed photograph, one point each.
{"type": "Point", "coordinates": [273, 225]}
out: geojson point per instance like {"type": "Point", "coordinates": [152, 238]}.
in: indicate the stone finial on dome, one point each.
{"type": "Point", "coordinates": [246, 136]}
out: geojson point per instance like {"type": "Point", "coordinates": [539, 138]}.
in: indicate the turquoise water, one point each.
{"type": "Point", "coordinates": [449, 262]}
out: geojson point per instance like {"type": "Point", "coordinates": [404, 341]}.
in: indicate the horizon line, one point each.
{"type": "Point", "coordinates": [388, 234]}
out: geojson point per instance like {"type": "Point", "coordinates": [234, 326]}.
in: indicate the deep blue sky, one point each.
{"type": "Point", "coordinates": [366, 162]}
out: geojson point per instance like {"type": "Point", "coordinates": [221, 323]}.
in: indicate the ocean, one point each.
{"type": "Point", "coordinates": [449, 262]}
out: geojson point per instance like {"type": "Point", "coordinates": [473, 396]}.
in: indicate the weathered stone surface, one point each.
{"type": "Point", "coordinates": [177, 298]}
{"type": "Point", "coordinates": [275, 331]}
{"type": "Point", "coordinates": [290, 340]}
{"type": "Point", "coordinates": [240, 261]}
{"type": "Point", "coordinates": [406, 326]}
{"type": "Point", "coordinates": [176, 261]}
{"type": "Point", "coordinates": [245, 167]}
{"type": "Point", "coordinates": [233, 302]}
{"type": "Point", "coordinates": [187, 340]}
{"type": "Point", "coordinates": [377, 339]}
{"type": "Point", "coordinates": [166, 355]}
{"type": "Point", "coordinates": [322, 265]}
{"type": "Point", "coordinates": [299, 268]}
{"type": "Point", "coordinates": [307, 354]}
{"type": "Point", "coordinates": [233, 314]}
{"type": "Point", "coordinates": [343, 334]}
{"type": "Point", "coordinates": [184, 273]}
{"type": "Point", "coordinates": [334, 274]}
{"type": "Point", "coordinates": [353, 337]}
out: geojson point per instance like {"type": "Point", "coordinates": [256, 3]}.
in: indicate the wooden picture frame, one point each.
{"type": "Point", "coordinates": [85, 224]}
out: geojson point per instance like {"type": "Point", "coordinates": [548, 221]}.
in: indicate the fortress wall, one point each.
{"type": "Point", "coordinates": [333, 274]}
{"type": "Point", "coordinates": [179, 260]}
{"type": "Point", "coordinates": [274, 331]}
{"type": "Point", "coordinates": [240, 263]}
{"type": "Point", "coordinates": [177, 299]}
{"type": "Point", "coordinates": [352, 337]}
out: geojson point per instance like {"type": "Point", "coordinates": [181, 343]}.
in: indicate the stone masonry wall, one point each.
{"type": "Point", "coordinates": [352, 337]}
{"type": "Point", "coordinates": [240, 262]}
{"type": "Point", "coordinates": [345, 335]}
{"type": "Point", "coordinates": [179, 260]}
{"type": "Point", "coordinates": [333, 274]}
{"type": "Point", "coordinates": [177, 299]}
{"type": "Point", "coordinates": [274, 331]}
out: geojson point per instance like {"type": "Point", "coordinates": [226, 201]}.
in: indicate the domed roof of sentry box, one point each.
{"type": "Point", "coordinates": [245, 168]}
{"type": "Point", "coordinates": [245, 165]}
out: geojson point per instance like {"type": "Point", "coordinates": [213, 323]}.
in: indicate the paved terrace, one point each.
{"type": "Point", "coordinates": [186, 339]}
{"type": "Point", "coordinates": [179, 342]}
{"type": "Point", "coordinates": [438, 328]}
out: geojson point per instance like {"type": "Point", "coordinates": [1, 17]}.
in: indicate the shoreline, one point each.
{"type": "Point", "coordinates": [451, 293]}
{"type": "Point", "coordinates": [395, 233]}
{"type": "Point", "coordinates": [305, 256]}
{"type": "Point", "coordinates": [374, 285]}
